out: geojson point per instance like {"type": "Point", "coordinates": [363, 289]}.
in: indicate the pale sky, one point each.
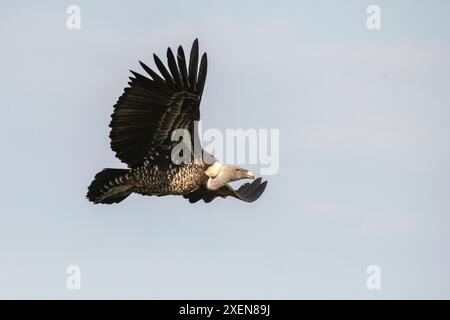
{"type": "Point", "coordinates": [364, 179]}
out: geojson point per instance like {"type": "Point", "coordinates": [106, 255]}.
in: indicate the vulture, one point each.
{"type": "Point", "coordinates": [142, 123]}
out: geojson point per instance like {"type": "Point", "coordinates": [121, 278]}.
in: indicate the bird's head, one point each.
{"type": "Point", "coordinates": [234, 173]}
{"type": "Point", "coordinates": [223, 174]}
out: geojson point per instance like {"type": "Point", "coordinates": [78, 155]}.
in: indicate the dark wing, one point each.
{"type": "Point", "coordinates": [248, 192]}
{"type": "Point", "coordinates": [150, 109]}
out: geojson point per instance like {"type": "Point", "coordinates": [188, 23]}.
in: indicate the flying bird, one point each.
{"type": "Point", "coordinates": [143, 120]}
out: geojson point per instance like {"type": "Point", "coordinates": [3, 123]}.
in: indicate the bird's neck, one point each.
{"type": "Point", "coordinates": [216, 183]}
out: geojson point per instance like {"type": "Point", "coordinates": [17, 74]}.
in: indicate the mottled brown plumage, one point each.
{"type": "Point", "coordinates": [144, 117]}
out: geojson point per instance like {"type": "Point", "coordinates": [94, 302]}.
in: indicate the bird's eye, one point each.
{"type": "Point", "coordinates": [238, 169]}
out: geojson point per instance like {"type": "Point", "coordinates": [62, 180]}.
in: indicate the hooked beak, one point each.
{"type": "Point", "coordinates": [250, 175]}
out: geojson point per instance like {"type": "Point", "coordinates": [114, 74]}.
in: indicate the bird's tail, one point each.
{"type": "Point", "coordinates": [110, 186]}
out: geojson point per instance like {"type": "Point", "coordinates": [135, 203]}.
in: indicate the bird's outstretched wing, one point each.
{"type": "Point", "coordinates": [150, 109]}
{"type": "Point", "coordinates": [248, 192]}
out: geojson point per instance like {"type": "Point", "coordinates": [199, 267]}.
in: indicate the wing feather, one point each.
{"type": "Point", "coordinates": [173, 67]}
{"type": "Point", "coordinates": [248, 192]}
{"type": "Point", "coordinates": [182, 66]}
{"type": "Point", "coordinates": [202, 74]}
{"type": "Point", "coordinates": [193, 65]}
{"type": "Point", "coordinates": [164, 72]}
{"type": "Point", "coordinates": [150, 109]}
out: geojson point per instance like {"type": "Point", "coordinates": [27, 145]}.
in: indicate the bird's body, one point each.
{"type": "Point", "coordinates": [144, 119]}
{"type": "Point", "coordinates": [176, 180]}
